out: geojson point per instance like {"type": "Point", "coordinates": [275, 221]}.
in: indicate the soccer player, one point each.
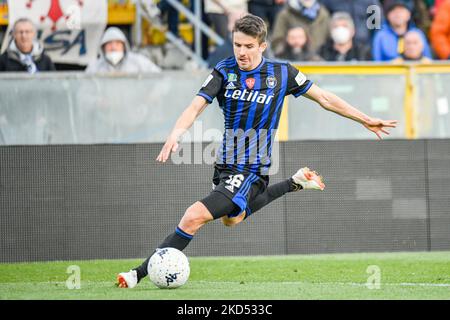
{"type": "Point", "coordinates": [250, 90]}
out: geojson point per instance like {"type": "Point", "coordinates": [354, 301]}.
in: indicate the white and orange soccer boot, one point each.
{"type": "Point", "coordinates": [307, 179]}
{"type": "Point", "coordinates": [127, 279]}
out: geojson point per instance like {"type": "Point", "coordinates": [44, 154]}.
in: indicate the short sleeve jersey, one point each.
{"type": "Point", "coordinates": [251, 102]}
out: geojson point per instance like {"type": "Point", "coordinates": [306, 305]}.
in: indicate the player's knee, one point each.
{"type": "Point", "coordinates": [196, 216]}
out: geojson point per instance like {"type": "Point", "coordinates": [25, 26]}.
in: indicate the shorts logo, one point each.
{"type": "Point", "coordinates": [271, 82]}
{"type": "Point", "coordinates": [234, 181]}
{"type": "Point", "coordinates": [232, 77]}
{"type": "Point", "coordinates": [250, 82]}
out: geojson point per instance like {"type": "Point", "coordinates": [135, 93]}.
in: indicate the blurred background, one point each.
{"type": "Point", "coordinates": [89, 90]}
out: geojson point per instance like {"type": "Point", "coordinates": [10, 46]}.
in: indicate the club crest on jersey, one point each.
{"type": "Point", "coordinates": [250, 82]}
{"type": "Point", "coordinates": [271, 82]}
{"type": "Point", "coordinates": [230, 86]}
{"type": "Point", "coordinates": [232, 77]}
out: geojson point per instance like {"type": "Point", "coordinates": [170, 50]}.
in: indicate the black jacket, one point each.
{"type": "Point", "coordinates": [10, 61]}
{"type": "Point", "coordinates": [289, 55]}
{"type": "Point", "coordinates": [358, 52]}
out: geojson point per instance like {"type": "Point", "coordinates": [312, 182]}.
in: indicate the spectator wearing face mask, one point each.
{"type": "Point", "coordinates": [116, 56]}
{"type": "Point", "coordinates": [297, 47]}
{"type": "Point", "coordinates": [358, 11]}
{"type": "Point", "coordinates": [25, 53]}
{"type": "Point", "coordinates": [388, 42]}
{"type": "Point", "coordinates": [414, 49]}
{"type": "Point", "coordinates": [308, 14]}
{"type": "Point", "coordinates": [341, 45]}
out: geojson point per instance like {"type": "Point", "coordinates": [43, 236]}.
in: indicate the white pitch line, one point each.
{"type": "Point", "coordinates": [358, 284]}
{"type": "Point", "coordinates": [418, 284]}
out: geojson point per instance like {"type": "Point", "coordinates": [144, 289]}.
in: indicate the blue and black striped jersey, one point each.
{"type": "Point", "coordinates": [251, 102]}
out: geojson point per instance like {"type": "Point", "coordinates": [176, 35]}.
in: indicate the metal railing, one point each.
{"type": "Point", "coordinates": [195, 19]}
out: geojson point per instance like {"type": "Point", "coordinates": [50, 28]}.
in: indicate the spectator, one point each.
{"type": "Point", "coordinates": [341, 47]}
{"type": "Point", "coordinates": [115, 56]}
{"type": "Point", "coordinates": [420, 13]}
{"type": "Point", "coordinates": [266, 9]}
{"type": "Point", "coordinates": [358, 12]}
{"type": "Point", "coordinates": [218, 11]}
{"type": "Point", "coordinates": [25, 53]}
{"type": "Point", "coordinates": [388, 42]}
{"type": "Point", "coordinates": [414, 48]}
{"type": "Point", "coordinates": [308, 14]}
{"type": "Point", "coordinates": [440, 31]}
{"type": "Point", "coordinates": [297, 47]}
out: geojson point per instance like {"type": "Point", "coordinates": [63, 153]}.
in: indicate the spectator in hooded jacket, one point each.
{"type": "Point", "coordinates": [308, 14]}
{"type": "Point", "coordinates": [341, 45]}
{"type": "Point", "coordinates": [388, 42]}
{"type": "Point", "coordinates": [116, 56]}
{"type": "Point", "coordinates": [440, 31]}
{"type": "Point", "coordinates": [25, 53]}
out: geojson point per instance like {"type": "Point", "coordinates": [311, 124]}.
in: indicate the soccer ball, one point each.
{"type": "Point", "coordinates": [168, 268]}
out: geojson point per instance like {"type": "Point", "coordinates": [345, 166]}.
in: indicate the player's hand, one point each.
{"type": "Point", "coordinates": [379, 126]}
{"type": "Point", "coordinates": [171, 145]}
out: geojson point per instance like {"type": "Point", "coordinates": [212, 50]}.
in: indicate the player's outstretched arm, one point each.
{"type": "Point", "coordinates": [333, 103]}
{"type": "Point", "coordinates": [183, 123]}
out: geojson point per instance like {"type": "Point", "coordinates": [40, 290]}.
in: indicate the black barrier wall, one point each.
{"type": "Point", "coordinates": [114, 201]}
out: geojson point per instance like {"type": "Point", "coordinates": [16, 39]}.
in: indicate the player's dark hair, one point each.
{"type": "Point", "coordinates": [253, 26]}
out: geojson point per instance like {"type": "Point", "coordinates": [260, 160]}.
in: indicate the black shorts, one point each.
{"type": "Point", "coordinates": [233, 191]}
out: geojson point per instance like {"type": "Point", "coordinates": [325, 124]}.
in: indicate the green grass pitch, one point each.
{"type": "Point", "coordinates": [417, 275]}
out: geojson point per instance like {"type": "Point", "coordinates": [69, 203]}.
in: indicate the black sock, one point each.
{"type": "Point", "coordinates": [272, 193]}
{"type": "Point", "coordinates": [178, 240]}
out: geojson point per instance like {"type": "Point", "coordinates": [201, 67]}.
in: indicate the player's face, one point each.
{"type": "Point", "coordinates": [247, 50]}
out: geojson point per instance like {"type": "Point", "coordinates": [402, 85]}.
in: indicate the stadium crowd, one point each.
{"type": "Point", "coordinates": [299, 30]}
{"type": "Point", "coordinates": [349, 30]}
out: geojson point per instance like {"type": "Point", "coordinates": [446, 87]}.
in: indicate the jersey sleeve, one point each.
{"type": "Point", "coordinates": [298, 84]}
{"type": "Point", "coordinates": [212, 86]}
